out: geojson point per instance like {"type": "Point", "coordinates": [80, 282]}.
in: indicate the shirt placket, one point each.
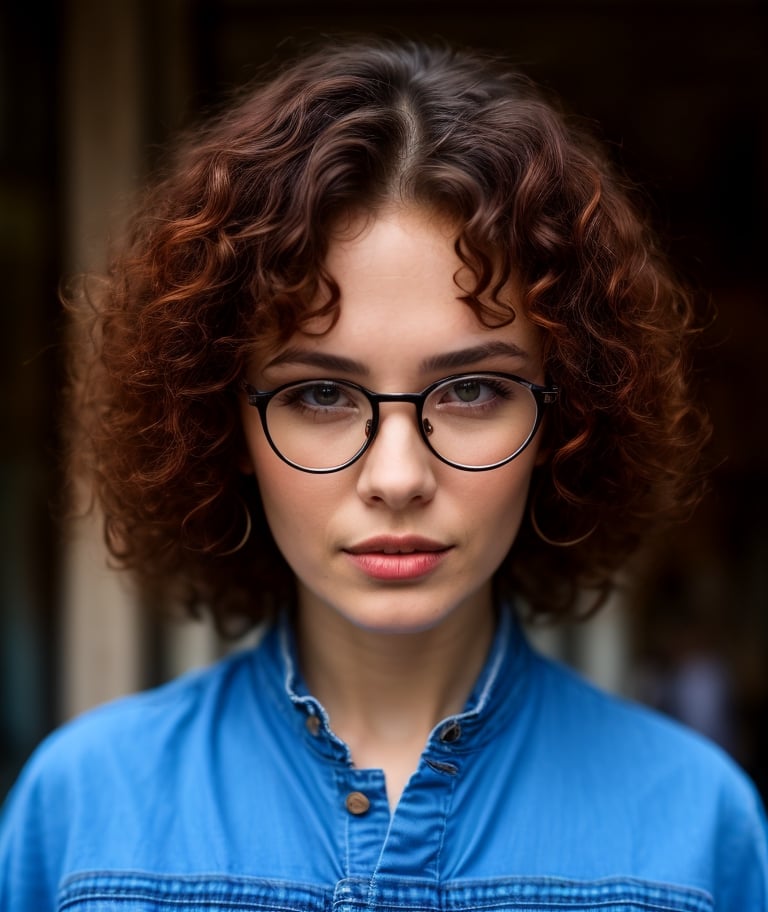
{"type": "Point", "coordinates": [362, 802]}
{"type": "Point", "coordinates": [393, 861]}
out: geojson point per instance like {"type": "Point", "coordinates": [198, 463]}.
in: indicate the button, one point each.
{"type": "Point", "coordinates": [451, 733]}
{"type": "Point", "coordinates": [313, 725]}
{"type": "Point", "coordinates": [357, 803]}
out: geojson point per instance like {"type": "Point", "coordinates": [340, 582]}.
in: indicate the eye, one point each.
{"type": "Point", "coordinates": [324, 394]}
{"type": "Point", "coordinates": [469, 390]}
{"type": "Point", "coordinates": [325, 400]}
{"type": "Point", "coordinates": [474, 396]}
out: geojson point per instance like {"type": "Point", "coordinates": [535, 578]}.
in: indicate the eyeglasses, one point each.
{"type": "Point", "coordinates": [473, 422]}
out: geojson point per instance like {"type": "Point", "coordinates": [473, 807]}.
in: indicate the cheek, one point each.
{"type": "Point", "coordinates": [498, 505]}
{"type": "Point", "coordinates": [283, 492]}
{"type": "Point", "coordinates": [297, 504]}
{"type": "Point", "coordinates": [298, 507]}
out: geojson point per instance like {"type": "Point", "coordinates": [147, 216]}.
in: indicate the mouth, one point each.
{"type": "Point", "coordinates": [397, 559]}
{"type": "Point", "coordinates": [390, 544]}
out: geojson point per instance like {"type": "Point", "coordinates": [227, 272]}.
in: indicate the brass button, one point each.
{"type": "Point", "coordinates": [313, 725]}
{"type": "Point", "coordinates": [357, 803]}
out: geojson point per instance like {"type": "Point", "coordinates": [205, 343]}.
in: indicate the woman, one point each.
{"type": "Point", "coordinates": [390, 355]}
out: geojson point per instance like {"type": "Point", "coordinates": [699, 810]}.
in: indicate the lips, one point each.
{"type": "Point", "coordinates": [397, 558]}
{"type": "Point", "coordinates": [394, 544]}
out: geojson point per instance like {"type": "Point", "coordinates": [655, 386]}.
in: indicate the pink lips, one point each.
{"type": "Point", "coordinates": [397, 558]}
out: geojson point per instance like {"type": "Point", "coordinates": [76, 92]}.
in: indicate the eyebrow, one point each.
{"type": "Point", "coordinates": [318, 359]}
{"type": "Point", "coordinates": [445, 361]}
{"type": "Point", "coordinates": [467, 356]}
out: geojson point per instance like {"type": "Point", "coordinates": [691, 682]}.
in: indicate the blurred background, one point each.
{"type": "Point", "coordinates": [90, 90]}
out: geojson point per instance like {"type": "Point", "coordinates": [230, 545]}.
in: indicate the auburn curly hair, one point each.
{"type": "Point", "coordinates": [226, 257]}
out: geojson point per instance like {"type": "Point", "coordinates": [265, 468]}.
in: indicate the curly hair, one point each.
{"type": "Point", "coordinates": [226, 258]}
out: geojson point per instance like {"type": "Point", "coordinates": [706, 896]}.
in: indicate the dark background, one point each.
{"type": "Point", "coordinates": [678, 89]}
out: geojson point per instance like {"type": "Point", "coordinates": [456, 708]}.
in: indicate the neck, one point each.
{"type": "Point", "coordinates": [385, 692]}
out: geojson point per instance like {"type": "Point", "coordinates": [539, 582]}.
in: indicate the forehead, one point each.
{"type": "Point", "coordinates": [399, 270]}
{"type": "Point", "coordinates": [399, 249]}
{"type": "Point", "coordinates": [401, 284]}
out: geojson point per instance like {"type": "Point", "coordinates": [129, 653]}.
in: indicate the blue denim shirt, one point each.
{"type": "Point", "coordinates": [228, 790]}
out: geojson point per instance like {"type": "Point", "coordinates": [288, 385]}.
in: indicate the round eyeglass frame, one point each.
{"type": "Point", "coordinates": [543, 396]}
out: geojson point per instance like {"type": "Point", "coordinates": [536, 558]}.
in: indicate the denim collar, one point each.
{"type": "Point", "coordinates": [490, 707]}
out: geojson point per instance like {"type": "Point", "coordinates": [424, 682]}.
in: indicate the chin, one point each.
{"type": "Point", "coordinates": [398, 612]}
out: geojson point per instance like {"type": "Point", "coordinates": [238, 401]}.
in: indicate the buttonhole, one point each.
{"type": "Point", "coordinates": [450, 768]}
{"type": "Point", "coordinates": [451, 733]}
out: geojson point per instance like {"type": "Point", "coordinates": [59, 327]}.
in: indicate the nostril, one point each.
{"type": "Point", "coordinates": [427, 425]}
{"type": "Point", "coordinates": [368, 426]}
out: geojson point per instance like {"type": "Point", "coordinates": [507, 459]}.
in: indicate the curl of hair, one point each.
{"type": "Point", "coordinates": [225, 261]}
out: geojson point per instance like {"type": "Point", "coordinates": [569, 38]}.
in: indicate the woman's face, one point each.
{"type": "Point", "coordinates": [399, 541]}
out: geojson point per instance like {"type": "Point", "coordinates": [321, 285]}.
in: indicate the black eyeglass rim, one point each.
{"type": "Point", "coordinates": [543, 395]}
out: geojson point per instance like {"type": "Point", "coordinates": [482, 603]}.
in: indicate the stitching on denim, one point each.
{"type": "Point", "coordinates": [527, 892]}
{"type": "Point", "coordinates": [554, 891]}
{"type": "Point", "coordinates": [195, 889]}
{"type": "Point", "coordinates": [446, 815]}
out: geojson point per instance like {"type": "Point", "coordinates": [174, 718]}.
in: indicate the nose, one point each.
{"type": "Point", "coordinates": [398, 469]}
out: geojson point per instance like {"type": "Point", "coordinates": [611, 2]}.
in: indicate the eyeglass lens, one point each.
{"type": "Point", "coordinates": [474, 421]}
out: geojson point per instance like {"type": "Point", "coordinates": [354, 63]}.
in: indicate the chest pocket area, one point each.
{"type": "Point", "coordinates": [138, 892]}
{"type": "Point", "coordinates": [556, 895]}
{"type": "Point", "coordinates": [129, 892]}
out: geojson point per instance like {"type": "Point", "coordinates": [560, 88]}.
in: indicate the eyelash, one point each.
{"type": "Point", "coordinates": [496, 386]}
{"type": "Point", "coordinates": [294, 398]}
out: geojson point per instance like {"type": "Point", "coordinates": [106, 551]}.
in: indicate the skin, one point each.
{"type": "Point", "coordinates": [375, 643]}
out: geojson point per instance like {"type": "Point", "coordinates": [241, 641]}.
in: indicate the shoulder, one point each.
{"type": "Point", "coordinates": [92, 791]}
{"type": "Point", "coordinates": [621, 731]}
{"type": "Point", "coordinates": [647, 765]}
{"type": "Point", "coordinates": [616, 779]}
{"type": "Point", "coordinates": [143, 730]}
